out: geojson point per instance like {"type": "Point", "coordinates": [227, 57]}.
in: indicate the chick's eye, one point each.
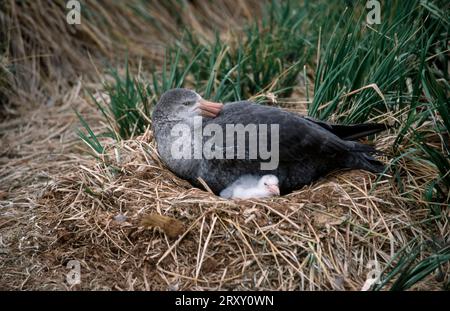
{"type": "Point", "coordinates": [187, 103]}
{"type": "Point", "coordinates": [265, 184]}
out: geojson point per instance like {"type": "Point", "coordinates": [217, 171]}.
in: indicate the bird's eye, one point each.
{"type": "Point", "coordinates": [265, 184]}
{"type": "Point", "coordinates": [188, 103]}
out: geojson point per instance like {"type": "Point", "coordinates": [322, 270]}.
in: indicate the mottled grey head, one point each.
{"type": "Point", "coordinates": [176, 104]}
{"type": "Point", "coordinates": [182, 104]}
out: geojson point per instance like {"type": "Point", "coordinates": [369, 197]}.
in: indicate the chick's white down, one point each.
{"type": "Point", "coordinates": [248, 186]}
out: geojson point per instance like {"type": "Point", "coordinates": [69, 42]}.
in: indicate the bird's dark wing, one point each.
{"type": "Point", "coordinates": [298, 137]}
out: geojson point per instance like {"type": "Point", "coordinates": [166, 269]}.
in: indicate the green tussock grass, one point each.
{"type": "Point", "coordinates": [408, 271]}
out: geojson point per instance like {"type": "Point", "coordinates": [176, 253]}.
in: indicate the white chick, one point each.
{"type": "Point", "coordinates": [248, 186]}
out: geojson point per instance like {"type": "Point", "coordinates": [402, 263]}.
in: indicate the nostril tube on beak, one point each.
{"type": "Point", "coordinates": [209, 109]}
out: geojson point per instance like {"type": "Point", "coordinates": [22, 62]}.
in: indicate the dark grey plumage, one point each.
{"type": "Point", "coordinates": [308, 149]}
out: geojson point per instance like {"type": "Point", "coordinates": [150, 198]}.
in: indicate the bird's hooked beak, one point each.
{"type": "Point", "coordinates": [273, 189]}
{"type": "Point", "coordinates": [209, 109]}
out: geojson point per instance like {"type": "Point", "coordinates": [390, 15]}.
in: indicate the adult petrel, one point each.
{"type": "Point", "coordinates": [307, 149]}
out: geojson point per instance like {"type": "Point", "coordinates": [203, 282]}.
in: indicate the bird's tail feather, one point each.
{"type": "Point", "coordinates": [356, 131]}
{"type": "Point", "coordinates": [366, 162]}
{"type": "Point", "coordinates": [351, 132]}
{"type": "Point", "coordinates": [358, 147]}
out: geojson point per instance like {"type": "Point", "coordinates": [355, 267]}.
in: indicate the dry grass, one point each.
{"type": "Point", "coordinates": [58, 204]}
{"type": "Point", "coordinates": [49, 55]}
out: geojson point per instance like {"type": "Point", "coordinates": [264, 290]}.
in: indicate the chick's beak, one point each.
{"type": "Point", "coordinates": [209, 109]}
{"type": "Point", "coordinates": [273, 189]}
